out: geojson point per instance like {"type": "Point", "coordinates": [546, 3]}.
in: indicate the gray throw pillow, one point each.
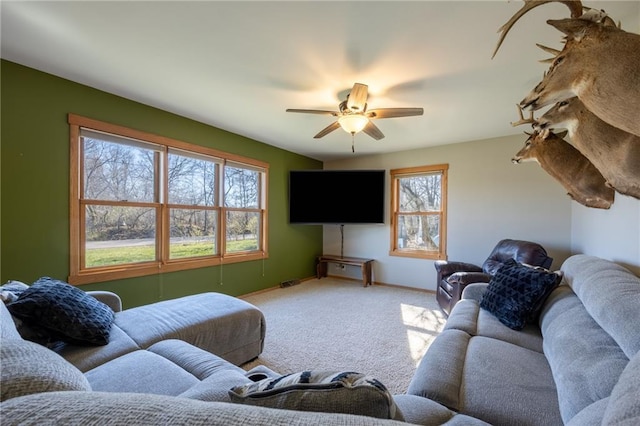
{"type": "Point", "coordinates": [64, 312]}
{"type": "Point", "coordinates": [30, 368]}
{"type": "Point", "coordinates": [325, 391]}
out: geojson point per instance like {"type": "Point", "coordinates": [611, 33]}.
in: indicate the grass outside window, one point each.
{"type": "Point", "coordinates": [143, 204]}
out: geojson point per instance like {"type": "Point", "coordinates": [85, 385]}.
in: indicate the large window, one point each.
{"type": "Point", "coordinates": [143, 204]}
{"type": "Point", "coordinates": [419, 211]}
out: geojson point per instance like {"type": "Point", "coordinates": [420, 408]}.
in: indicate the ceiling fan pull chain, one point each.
{"type": "Point", "coordinates": [353, 141]}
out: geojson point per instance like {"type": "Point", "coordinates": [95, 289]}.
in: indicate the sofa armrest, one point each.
{"type": "Point", "coordinates": [75, 407]}
{"type": "Point", "coordinates": [109, 298]}
{"type": "Point", "coordinates": [424, 411]}
{"type": "Point", "coordinates": [474, 291]}
{"type": "Point", "coordinates": [445, 267]}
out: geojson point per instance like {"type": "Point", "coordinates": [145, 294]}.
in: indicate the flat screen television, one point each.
{"type": "Point", "coordinates": [336, 196]}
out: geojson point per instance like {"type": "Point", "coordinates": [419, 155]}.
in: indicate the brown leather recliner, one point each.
{"type": "Point", "coordinates": [453, 276]}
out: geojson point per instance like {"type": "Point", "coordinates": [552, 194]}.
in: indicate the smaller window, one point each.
{"type": "Point", "coordinates": [418, 211]}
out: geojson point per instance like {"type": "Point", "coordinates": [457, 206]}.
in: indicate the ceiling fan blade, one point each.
{"type": "Point", "coordinates": [314, 111]}
{"type": "Point", "coordinates": [394, 112]}
{"type": "Point", "coordinates": [330, 128]}
{"type": "Point", "coordinates": [373, 131]}
{"type": "Point", "coordinates": [357, 99]}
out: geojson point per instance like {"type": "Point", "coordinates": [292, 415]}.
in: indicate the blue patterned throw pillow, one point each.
{"type": "Point", "coordinates": [64, 312]}
{"type": "Point", "coordinates": [326, 391]}
{"type": "Point", "coordinates": [516, 293]}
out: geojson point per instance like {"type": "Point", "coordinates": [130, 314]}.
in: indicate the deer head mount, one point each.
{"type": "Point", "coordinates": [597, 69]}
{"type": "Point", "coordinates": [582, 181]}
{"type": "Point", "coordinates": [614, 152]}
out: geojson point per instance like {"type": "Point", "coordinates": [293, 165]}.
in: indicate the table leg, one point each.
{"type": "Point", "coordinates": [321, 269]}
{"type": "Point", "coordinates": [366, 273]}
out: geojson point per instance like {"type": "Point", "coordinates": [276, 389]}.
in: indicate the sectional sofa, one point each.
{"type": "Point", "coordinates": [576, 362]}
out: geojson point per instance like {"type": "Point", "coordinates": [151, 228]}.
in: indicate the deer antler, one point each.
{"type": "Point", "coordinates": [554, 52]}
{"type": "Point", "coordinates": [523, 120]}
{"type": "Point", "coordinates": [574, 6]}
{"type": "Point", "coordinates": [551, 50]}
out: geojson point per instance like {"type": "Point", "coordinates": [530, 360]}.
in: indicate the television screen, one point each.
{"type": "Point", "coordinates": [336, 196]}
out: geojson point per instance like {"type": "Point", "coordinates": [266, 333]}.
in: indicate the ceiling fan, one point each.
{"type": "Point", "coordinates": [354, 117]}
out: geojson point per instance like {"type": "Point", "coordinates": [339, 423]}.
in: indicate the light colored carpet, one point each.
{"type": "Point", "coordinates": [339, 325]}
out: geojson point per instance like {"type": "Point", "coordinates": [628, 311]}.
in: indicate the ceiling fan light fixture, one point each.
{"type": "Point", "coordinates": [353, 123]}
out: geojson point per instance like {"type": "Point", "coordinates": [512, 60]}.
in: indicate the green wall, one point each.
{"type": "Point", "coordinates": [34, 190]}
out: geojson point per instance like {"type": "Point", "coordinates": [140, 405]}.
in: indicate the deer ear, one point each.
{"type": "Point", "coordinates": [574, 28]}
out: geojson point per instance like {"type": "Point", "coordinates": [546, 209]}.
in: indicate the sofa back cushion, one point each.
{"type": "Point", "coordinates": [28, 368]}
{"type": "Point", "coordinates": [582, 341]}
{"type": "Point", "coordinates": [610, 294]}
{"type": "Point", "coordinates": [624, 404]}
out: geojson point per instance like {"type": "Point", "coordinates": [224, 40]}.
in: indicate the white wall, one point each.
{"type": "Point", "coordinates": [489, 199]}
{"type": "Point", "coordinates": [612, 234]}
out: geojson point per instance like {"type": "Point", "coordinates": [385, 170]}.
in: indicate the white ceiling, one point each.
{"type": "Point", "coordinates": [238, 65]}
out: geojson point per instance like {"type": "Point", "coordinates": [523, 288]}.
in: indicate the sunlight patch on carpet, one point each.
{"type": "Point", "coordinates": [423, 325]}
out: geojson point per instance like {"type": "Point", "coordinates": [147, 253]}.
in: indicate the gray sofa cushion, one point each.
{"type": "Point", "coordinates": [423, 411]}
{"type": "Point", "coordinates": [467, 316]}
{"type": "Point", "coordinates": [198, 362]}
{"type": "Point", "coordinates": [86, 358]}
{"type": "Point", "coordinates": [224, 325]}
{"type": "Point", "coordinates": [624, 404]}
{"type": "Point", "coordinates": [64, 312]}
{"type": "Point", "coordinates": [519, 380]}
{"type": "Point", "coordinates": [586, 360]}
{"type": "Point", "coordinates": [29, 368]}
{"type": "Point", "coordinates": [141, 372]}
{"type": "Point", "coordinates": [610, 294]}
{"type": "Point", "coordinates": [334, 392]}
{"type": "Point", "coordinates": [99, 408]}
{"type": "Point", "coordinates": [591, 414]}
{"type": "Point", "coordinates": [498, 382]}
{"type": "Point", "coordinates": [439, 374]}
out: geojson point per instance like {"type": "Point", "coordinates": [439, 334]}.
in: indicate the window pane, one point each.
{"type": "Point", "coordinates": [191, 181]}
{"type": "Point", "coordinates": [420, 193]}
{"type": "Point", "coordinates": [243, 230]}
{"type": "Point", "coordinates": [241, 188]}
{"type": "Point", "coordinates": [118, 172]}
{"type": "Point", "coordinates": [192, 233]}
{"type": "Point", "coordinates": [419, 232]}
{"type": "Point", "coordinates": [117, 235]}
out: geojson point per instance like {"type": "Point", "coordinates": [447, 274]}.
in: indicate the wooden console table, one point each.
{"type": "Point", "coordinates": [365, 264]}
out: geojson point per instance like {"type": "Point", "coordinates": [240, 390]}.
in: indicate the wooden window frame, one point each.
{"type": "Point", "coordinates": [395, 175]}
{"type": "Point", "coordinates": [80, 275]}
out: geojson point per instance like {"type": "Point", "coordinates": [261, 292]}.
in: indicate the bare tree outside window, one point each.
{"type": "Point", "coordinates": [193, 216]}
{"type": "Point", "coordinates": [143, 204]}
{"type": "Point", "coordinates": [119, 194]}
{"type": "Point", "coordinates": [419, 211]}
{"type": "Point", "coordinates": [242, 202]}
